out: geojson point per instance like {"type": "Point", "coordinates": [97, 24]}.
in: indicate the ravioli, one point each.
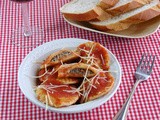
{"type": "Point", "coordinates": [96, 53]}
{"type": "Point", "coordinates": [76, 70]}
{"type": "Point", "coordinates": [52, 78]}
{"type": "Point", "coordinates": [56, 96]}
{"type": "Point", "coordinates": [98, 87]}
{"type": "Point", "coordinates": [69, 77]}
{"type": "Point", "coordinates": [64, 55]}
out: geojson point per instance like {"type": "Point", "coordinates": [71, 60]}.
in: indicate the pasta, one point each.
{"type": "Point", "coordinates": [69, 77]}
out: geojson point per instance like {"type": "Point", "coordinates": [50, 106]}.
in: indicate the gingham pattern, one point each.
{"type": "Point", "coordinates": [45, 13]}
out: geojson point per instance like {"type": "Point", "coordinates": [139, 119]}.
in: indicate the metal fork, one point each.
{"type": "Point", "coordinates": [142, 73]}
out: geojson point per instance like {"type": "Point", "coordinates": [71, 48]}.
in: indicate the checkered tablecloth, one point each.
{"type": "Point", "coordinates": [45, 13]}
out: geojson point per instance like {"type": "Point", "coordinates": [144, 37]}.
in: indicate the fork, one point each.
{"type": "Point", "coordinates": [142, 73]}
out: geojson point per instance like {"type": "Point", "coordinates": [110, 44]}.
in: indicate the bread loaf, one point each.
{"type": "Point", "coordinates": [125, 20]}
{"type": "Point", "coordinates": [126, 5]}
{"type": "Point", "coordinates": [85, 10]}
{"type": "Point", "coordinates": [119, 15]}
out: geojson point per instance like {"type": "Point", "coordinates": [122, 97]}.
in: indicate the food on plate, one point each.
{"type": "Point", "coordinates": [101, 57]}
{"type": "Point", "coordinates": [125, 20]}
{"type": "Point", "coordinates": [76, 70]}
{"type": "Point", "coordinates": [85, 10]}
{"type": "Point", "coordinates": [99, 87]}
{"type": "Point", "coordinates": [56, 95]}
{"type": "Point", "coordinates": [52, 77]}
{"type": "Point", "coordinates": [121, 15]}
{"type": "Point", "coordinates": [60, 56]}
{"type": "Point", "coordinates": [126, 5]}
{"type": "Point", "coordinates": [75, 81]}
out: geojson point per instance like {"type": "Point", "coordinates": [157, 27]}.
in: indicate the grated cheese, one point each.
{"type": "Point", "coordinates": [82, 89]}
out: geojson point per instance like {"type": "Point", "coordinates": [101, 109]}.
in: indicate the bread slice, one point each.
{"type": "Point", "coordinates": [126, 5]}
{"type": "Point", "coordinates": [107, 3]}
{"type": "Point", "coordinates": [85, 10]}
{"type": "Point", "coordinates": [125, 20]}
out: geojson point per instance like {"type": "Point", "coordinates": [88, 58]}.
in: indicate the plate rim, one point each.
{"type": "Point", "coordinates": [106, 33]}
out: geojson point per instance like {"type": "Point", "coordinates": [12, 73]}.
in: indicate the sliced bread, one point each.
{"type": "Point", "coordinates": [107, 3]}
{"type": "Point", "coordinates": [125, 20]}
{"type": "Point", "coordinates": [126, 5]}
{"type": "Point", "coordinates": [85, 10]}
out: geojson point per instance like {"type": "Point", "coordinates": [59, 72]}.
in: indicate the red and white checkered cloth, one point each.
{"type": "Point", "coordinates": [45, 13]}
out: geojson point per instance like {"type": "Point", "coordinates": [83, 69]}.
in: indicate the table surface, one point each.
{"type": "Point", "coordinates": [45, 13]}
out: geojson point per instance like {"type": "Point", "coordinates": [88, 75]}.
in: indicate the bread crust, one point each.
{"type": "Point", "coordinates": [103, 15]}
{"type": "Point", "coordinates": [107, 3]}
{"type": "Point", "coordinates": [96, 13]}
{"type": "Point", "coordinates": [92, 14]}
{"type": "Point", "coordinates": [138, 18]}
{"type": "Point", "coordinates": [127, 7]}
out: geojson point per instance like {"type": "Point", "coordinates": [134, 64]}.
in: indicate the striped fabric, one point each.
{"type": "Point", "coordinates": [45, 14]}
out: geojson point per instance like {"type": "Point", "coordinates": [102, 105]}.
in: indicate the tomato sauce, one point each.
{"type": "Point", "coordinates": [99, 53]}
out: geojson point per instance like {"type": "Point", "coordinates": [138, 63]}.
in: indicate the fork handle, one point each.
{"type": "Point", "coordinates": [122, 114]}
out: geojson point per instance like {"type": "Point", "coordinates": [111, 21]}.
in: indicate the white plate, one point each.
{"type": "Point", "coordinates": [29, 67]}
{"type": "Point", "coordinates": [135, 31]}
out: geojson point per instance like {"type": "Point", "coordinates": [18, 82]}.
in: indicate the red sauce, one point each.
{"type": "Point", "coordinates": [60, 96]}
{"type": "Point", "coordinates": [98, 51]}
{"type": "Point", "coordinates": [49, 78]}
{"type": "Point", "coordinates": [60, 92]}
{"type": "Point", "coordinates": [101, 85]}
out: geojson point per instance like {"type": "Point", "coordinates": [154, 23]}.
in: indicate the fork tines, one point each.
{"type": "Point", "coordinates": [146, 63]}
